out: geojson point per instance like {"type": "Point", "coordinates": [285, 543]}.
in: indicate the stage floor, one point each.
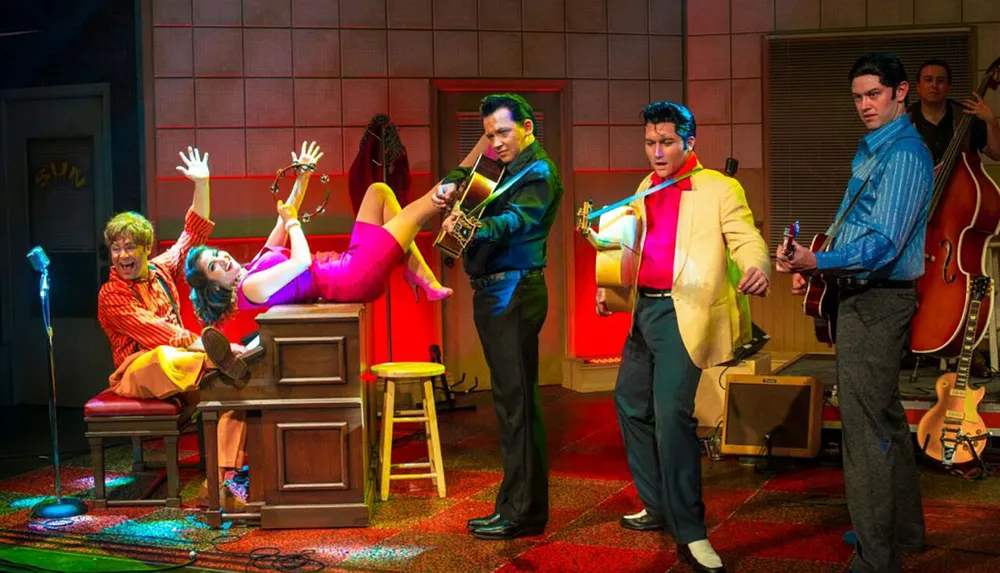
{"type": "Point", "coordinates": [916, 388]}
{"type": "Point", "coordinates": [760, 523]}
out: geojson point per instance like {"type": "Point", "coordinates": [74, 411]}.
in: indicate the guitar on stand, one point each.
{"type": "Point", "coordinates": [952, 432]}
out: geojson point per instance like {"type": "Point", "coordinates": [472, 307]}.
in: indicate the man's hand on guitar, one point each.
{"type": "Point", "coordinates": [444, 196]}
{"type": "Point", "coordinates": [802, 259]}
{"type": "Point", "coordinates": [799, 284]}
{"type": "Point", "coordinates": [602, 303]}
{"type": "Point", "coordinates": [754, 282]}
{"type": "Point", "coordinates": [449, 222]}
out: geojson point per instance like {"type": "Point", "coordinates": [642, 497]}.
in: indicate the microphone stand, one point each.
{"type": "Point", "coordinates": [60, 507]}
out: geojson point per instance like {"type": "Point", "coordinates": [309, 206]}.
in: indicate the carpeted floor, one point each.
{"type": "Point", "coordinates": [792, 521]}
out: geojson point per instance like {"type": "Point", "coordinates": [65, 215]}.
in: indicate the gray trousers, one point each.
{"type": "Point", "coordinates": [880, 472]}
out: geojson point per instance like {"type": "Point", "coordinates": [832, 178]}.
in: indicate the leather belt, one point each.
{"type": "Point", "coordinates": [851, 283]}
{"type": "Point", "coordinates": [654, 292]}
{"type": "Point", "coordinates": [486, 280]}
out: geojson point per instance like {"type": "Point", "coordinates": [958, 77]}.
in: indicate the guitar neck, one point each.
{"type": "Point", "coordinates": [968, 345]}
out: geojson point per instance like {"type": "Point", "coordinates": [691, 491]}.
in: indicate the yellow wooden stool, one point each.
{"type": "Point", "coordinates": [406, 372]}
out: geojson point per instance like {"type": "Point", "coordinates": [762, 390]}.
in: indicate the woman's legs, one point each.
{"type": "Point", "coordinates": [380, 207]}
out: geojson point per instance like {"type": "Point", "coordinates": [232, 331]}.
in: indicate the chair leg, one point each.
{"type": "Point", "coordinates": [173, 475]}
{"type": "Point", "coordinates": [138, 465]}
{"type": "Point", "coordinates": [433, 437]}
{"type": "Point", "coordinates": [388, 409]}
{"type": "Point", "coordinates": [97, 466]}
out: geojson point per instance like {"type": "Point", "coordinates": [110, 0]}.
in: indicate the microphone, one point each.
{"type": "Point", "coordinates": [732, 165]}
{"type": "Point", "coordinates": [38, 259]}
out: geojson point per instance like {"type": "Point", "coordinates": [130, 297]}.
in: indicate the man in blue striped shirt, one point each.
{"type": "Point", "coordinates": [876, 256]}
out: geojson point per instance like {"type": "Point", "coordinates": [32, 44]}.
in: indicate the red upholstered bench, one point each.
{"type": "Point", "coordinates": [108, 415]}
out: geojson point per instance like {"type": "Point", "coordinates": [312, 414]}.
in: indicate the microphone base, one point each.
{"type": "Point", "coordinates": [56, 508]}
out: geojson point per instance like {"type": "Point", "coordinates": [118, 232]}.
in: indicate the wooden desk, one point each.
{"type": "Point", "coordinates": [310, 420]}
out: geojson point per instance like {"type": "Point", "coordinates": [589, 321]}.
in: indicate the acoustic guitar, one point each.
{"type": "Point", "coordinates": [952, 432]}
{"type": "Point", "coordinates": [617, 264]}
{"type": "Point", "coordinates": [475, 192]}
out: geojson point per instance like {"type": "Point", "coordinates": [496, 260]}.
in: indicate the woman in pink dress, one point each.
{"type": "Point", "coordinates": [381, 240]}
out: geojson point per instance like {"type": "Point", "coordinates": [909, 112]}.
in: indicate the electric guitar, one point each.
{"type": "Point", "coordinates": [821, 299]}
{"type": "Point", "coordinates": [952, 431]}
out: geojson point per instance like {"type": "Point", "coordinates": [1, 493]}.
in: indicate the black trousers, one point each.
{"type": "Point", "coordinates": [509, 315]}
{"type": "Point", "coordinates": [880, 472]}
{"type": "Point", "coordinates": [654, 397]}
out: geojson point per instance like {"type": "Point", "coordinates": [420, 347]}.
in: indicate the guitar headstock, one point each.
{"type": "Point", "coordinates": [981, 286]}
{"type": "Point", "coordinates": [788, 236]}
{"type": "Point", "coordinates": [993, 75]}
{"type": "Point", "coordinates": [583, 217]}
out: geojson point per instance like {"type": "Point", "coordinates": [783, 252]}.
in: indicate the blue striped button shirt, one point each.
{"type": "Point", "coordinates": [883, 236]}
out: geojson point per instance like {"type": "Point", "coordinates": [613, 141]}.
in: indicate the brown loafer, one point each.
{"type": "Point", "coordinates": [221, 354]}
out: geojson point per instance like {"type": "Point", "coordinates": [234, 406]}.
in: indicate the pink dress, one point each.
{"type": "Point", "coordinates": [358, 275]}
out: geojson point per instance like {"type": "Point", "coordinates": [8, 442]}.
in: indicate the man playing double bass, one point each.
{"type": "Point", "coordinates": [876, 258]}
{"type": "Point", "coordinates": [935, 116]}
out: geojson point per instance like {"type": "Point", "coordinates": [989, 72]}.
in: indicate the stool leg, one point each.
{"type": "Point", "coordinates": [138, 465]}
{"type": "Point", "coordinates": [388, 409]}
{"type": "Point", "coordinates": [173, 477]}
{"type": "Point", "coordinates": [433, 437]}
{"type": "Point", "coordinates": [213, 515]}
{"type": "Point", "coordinates": [97, 465]}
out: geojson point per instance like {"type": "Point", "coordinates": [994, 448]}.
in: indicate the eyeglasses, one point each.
{"type": "Point", "coordinates": [324, 179]}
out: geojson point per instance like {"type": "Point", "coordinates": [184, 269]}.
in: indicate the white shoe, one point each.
{"type": "Point", "coordinates": [701, 556]}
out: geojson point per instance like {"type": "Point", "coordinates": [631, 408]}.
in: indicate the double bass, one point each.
{"type": "Point", "coordinates": [964, 217]}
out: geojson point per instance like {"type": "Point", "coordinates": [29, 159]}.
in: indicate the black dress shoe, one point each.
{"type": "Point", "coordinates": [483, 521]}
{"type": "Point", "coordinates": [686, 556]}
{"type": "Point", "coordinates": [641, 522]}
{"type": "Point", "coordinates": [504, 529]}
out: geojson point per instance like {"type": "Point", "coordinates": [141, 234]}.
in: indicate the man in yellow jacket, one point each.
{"type": "Point", "coordinates": [699, 255]}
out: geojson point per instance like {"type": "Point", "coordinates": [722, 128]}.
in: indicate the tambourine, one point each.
{"type": "Point", "coordinates": [324, 179]}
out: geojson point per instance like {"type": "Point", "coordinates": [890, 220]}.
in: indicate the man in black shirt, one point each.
{"type": "Point", "coordinates": [504, 262]}
{"type": "Point", "coordinates": [936, 117]}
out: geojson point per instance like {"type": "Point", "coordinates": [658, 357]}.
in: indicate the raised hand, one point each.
{"type": "Point", "coordinates": [287, 212]}
{"type": "Point", "coordinates": [308, 156]}
{"type": "Point", "coordinates": [195, 165]}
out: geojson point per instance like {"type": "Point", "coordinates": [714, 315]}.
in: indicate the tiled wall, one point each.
{"type": "Point", "coordinates": [724, 46]}
{"type": "Point", "coordinates": [247, 79]}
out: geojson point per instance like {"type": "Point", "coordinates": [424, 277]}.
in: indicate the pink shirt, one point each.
{"type": "Point", "coordinates": [656, 270]}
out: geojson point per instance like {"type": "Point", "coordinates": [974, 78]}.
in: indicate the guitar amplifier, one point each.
{"type": "Point", "coordinates": [772, 415]}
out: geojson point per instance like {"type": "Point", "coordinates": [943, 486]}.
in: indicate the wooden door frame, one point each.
{"type": "Point", "coordinates": [7, 259]}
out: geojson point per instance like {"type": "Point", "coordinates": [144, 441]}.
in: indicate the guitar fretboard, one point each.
{"type": "Point", "coordinates": [968, 344]}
